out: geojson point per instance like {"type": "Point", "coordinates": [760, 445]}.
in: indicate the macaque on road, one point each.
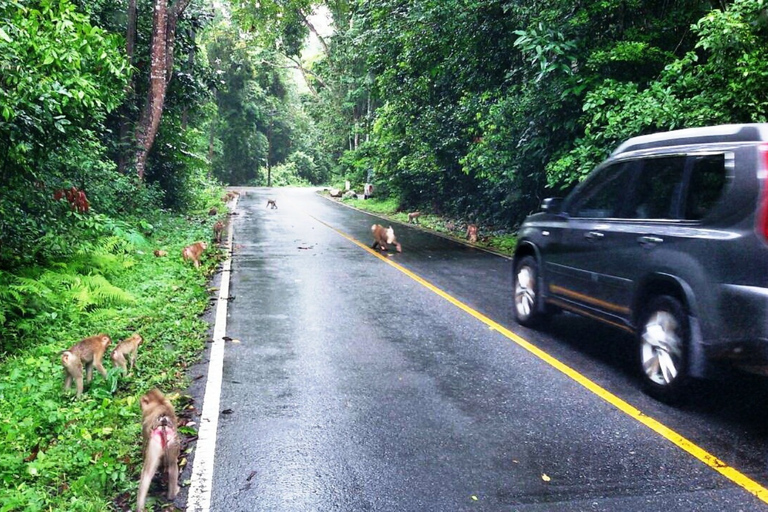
{"type": "Point", "coordinates": [383, 236]}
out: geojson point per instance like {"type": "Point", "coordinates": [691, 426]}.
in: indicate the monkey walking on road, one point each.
{"type": "Point", "coordinates": [383, 236]}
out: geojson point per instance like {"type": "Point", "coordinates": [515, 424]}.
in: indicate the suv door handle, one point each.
{"type": "Point", "coordinates": [649, 241]}
{"type": "Point", "coordinates": [593, 236]}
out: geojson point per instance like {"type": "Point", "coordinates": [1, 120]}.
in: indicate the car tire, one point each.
{"type": "Point", "coordinates": [664, 336]}
{"type": "Point", "coordinates": [526, 299]}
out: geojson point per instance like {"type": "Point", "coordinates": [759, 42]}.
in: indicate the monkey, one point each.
{"type": "Point", "coordinates": [229, 196]}
{"type": "Point", "coordinates": [213, 211]}
{"type": "Point", "coordinates": [89, 352]}
{"type": "Point", "coordinates": [272, 202]}
{"type": "Point", "coordinates": [383, 236]}
{"type": "Point", "coordinates": [159, 431]}
{"type": "Point", "coordinates": [218, 229]}
{"type": "Point", "coordinates": [472, 233]}
{"type": "Point", "coordinates": [160, 253]}
{"type": "Point", "coordinates": [128, 346]}
{"type": "Point", "coordinates": [413, 217]}
{"type": "Point", "coordinates": [193, 252]}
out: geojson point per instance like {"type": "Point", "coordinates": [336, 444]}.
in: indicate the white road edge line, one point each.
{"type": "Point", "coordinates": [199, 496]}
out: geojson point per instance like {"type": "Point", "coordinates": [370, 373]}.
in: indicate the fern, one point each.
{"type": "Point", "coordinates": [105, 316]}
{"type": "Point", "coordinates": [112, 245]}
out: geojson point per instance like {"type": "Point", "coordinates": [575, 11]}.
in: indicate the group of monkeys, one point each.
{"type": "Point", "coordinates": [383, 236]}
{"type": "Point", "coordinates": [159, 425]}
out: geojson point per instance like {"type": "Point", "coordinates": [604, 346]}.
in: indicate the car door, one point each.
{"type": "Point", "coordinates": [573, 263]}
{"type": "Point", "coordinates": [643, 227]}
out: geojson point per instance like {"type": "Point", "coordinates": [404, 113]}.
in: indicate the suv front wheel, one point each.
{"type": "Point", "coordinates": [664, 335]}
{"type": "Point", "coordinates": [527, 292]}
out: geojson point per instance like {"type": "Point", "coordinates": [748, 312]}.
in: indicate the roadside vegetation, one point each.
{"type": "Point", "coordinates": [60, 453]}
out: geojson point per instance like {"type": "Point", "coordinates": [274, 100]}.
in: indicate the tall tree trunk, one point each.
{"type": "Point", "coordinates": [164, 24]}
{"type": "Point", "coordinates": [368, 118]}
{"type": "Point", "coordinates": [130, 45]}
{"type": "Point", "coordinates": [312, 28]}
{"type": "Point", "coordinates": [190, 65]}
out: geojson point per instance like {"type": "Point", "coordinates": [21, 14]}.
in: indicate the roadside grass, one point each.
{"type": "Point", "coordinates": [60, 453]}
{"type": "Point", "coordinates": [494, 240]}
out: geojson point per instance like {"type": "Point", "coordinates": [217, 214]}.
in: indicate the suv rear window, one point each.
{"type": "Point", "coordinates": [708, 178]}
{"type": "Point", "coordinates": [660, 188]}
{"type": "Point", "coordinates": [656, 192]}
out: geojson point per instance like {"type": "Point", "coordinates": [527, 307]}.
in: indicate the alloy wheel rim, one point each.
{"type": "Point", "coordinates": [662, 348]}
{"type": "Point", "coordinates": [525, 294]}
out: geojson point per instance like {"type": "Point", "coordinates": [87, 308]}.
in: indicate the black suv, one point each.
{"type": "Point", "coordinates": [666, 239]}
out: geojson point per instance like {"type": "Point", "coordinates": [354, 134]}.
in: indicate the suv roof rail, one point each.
{"type": "Point", "coordinates": [753, 132]}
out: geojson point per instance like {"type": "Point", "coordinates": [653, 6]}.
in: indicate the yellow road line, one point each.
{"type": "Point", "coordinates": [696, 451]}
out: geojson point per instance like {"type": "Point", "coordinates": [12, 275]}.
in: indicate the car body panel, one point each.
{"type": "Point", "coordinates": [693, 234]}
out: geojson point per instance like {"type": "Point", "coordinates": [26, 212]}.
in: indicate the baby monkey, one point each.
{"type": "Point", "coordinates": [129, 346]}
{"type": "Point", "coordinates": [89, 352]}
{"type": "Point", "coordinates": [193, 252]}
{"type": "Point", "coordinates": [413, 217]}
{"type": "Point", "coordinates": [159, 430]}
{"type": "Point", "coordinates": [272, 202]}
{"type": "Point", "coordinates": [218, 230]}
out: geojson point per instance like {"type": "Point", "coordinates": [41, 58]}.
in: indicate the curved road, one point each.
{"type": "Point", "coordinates": [355, 385]}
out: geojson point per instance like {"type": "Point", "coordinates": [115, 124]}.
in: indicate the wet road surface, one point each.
{"type": "Point", "coordinates": [350, 386]}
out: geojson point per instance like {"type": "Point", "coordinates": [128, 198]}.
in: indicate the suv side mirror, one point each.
{"type": "Point", "coordinates": [552, 204]}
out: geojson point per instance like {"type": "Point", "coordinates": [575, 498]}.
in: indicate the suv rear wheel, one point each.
{"type": "Point", "coordinates": [664, 335]}
{"type": "Point", "coordinates": [527, 292]}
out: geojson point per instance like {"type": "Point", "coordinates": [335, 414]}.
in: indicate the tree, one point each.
{"type": "Point", "coordinates": [164, 26]}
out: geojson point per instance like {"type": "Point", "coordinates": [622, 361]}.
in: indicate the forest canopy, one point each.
{"type": "Point", "coordinates": [465, 108]}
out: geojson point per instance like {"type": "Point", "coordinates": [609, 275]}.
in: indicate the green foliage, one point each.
{"type": "Point", "coordinates": [59, 72]}
{"type": "Point", "coordinates": [178, 166]}
{"type": "Point", "coordinates": [287, 174]}
{"type": "Point", "coordinates": [64, 454]}
{"type": "Point", "coordinates": [481, 105]}
{"type": "Point", "coordinates": [722, 82]}
{"type": "Point", "coordinates": [388, 206]}
{"type": "Point", "coordinates": [260, 119]}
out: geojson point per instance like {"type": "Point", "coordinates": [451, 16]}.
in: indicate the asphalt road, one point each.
{"type": "Point", "coordinates": [352, 386]}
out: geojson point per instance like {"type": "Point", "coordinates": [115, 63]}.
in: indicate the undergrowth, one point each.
{"type": "Point", "coordinates": [60, 453]}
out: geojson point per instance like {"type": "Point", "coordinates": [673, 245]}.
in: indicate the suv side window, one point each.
{"type": "Point", "coordinates": [603, 194]}
{"type": "Point", "coordinates": [707, 182]}
{"type": "Point", "coordinates": [656, 193]}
